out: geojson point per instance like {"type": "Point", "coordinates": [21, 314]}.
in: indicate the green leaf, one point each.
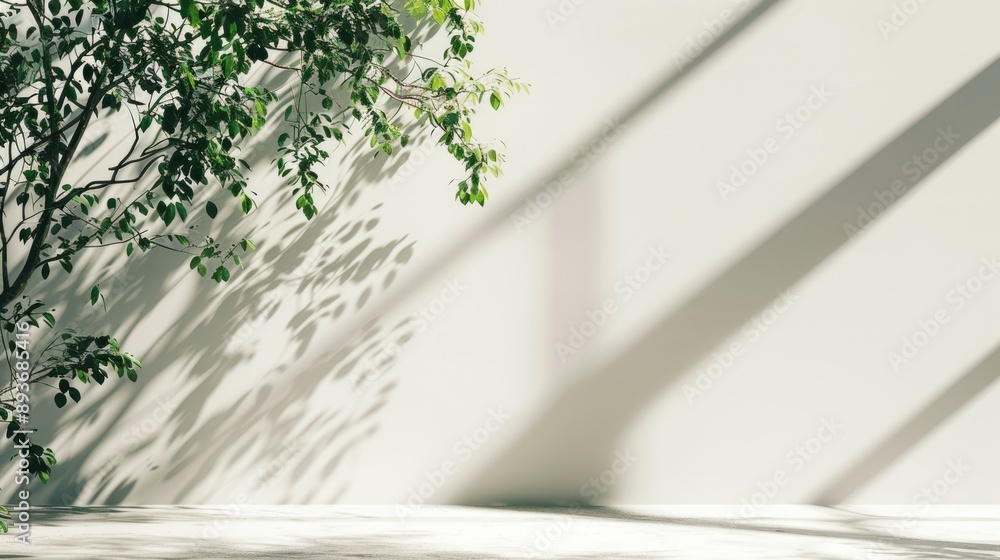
{"type": "Point", "coordinates": [74, 394]}
{"type": "Point", "coordinates": [128, 250]}
{"type": "Point", "coordinates": [60, 400]}
{"type": "Point", "coordinates": [168, 214]}
{"type": "Point", "coordinates": [195, 262]}
{"type": "Point", "coordinates": [187, 72]}
{"type": "Point", "coordinates": [227, 65]}
{"type": "Point", "coordinates": [247, 204]}
{"type": "Point", "coordinates": [95, 293]}
{"type": "Point", "coordinates": [49, 319]}
{"type": "Point", "coordinates": [211, 209]}
{"type": "Point", "coordinates": [495, 101]}
{"type": "Point", "coordinates": [437, 82]}
{"type": "Point", "coordinates": [202, 270]}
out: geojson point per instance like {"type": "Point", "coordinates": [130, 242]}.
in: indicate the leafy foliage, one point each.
{"type": "Point", "coordinates": [188, 75]}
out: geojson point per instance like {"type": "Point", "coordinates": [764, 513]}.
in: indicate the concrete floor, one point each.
{"type": "Point", "coordinates": [676, 532]}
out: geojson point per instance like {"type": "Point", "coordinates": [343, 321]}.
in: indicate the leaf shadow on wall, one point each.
{"type": "Point", "coordinates": [244, 357]}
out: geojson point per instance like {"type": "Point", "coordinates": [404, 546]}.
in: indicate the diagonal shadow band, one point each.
{"type": "Point", "coordinates": [491, 224]}
{"type": "Point", "coordinates": [574, 438]}
{"type": "Point", "coordinates": [920, 424]}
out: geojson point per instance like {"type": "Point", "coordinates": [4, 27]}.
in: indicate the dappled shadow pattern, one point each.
{"type": "Point", "coordinates": [313, 276]}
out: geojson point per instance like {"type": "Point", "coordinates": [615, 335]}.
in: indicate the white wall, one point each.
{"type": "Point", "coordinates": [240, 396]}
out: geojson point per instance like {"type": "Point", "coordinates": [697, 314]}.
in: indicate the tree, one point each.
{"type": "Point", "coordinates": [187, 76]}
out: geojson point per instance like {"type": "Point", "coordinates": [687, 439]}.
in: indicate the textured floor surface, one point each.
{"type": "Point", "coordinates": [676, 532]}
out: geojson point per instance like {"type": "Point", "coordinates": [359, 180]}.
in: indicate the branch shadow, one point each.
{"type": "Point", "coordinates": [308, 279]}
{"type": "Point", "coordinates": [576, 435]}
{"type": "Point", "coordinates": [912, 431]}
